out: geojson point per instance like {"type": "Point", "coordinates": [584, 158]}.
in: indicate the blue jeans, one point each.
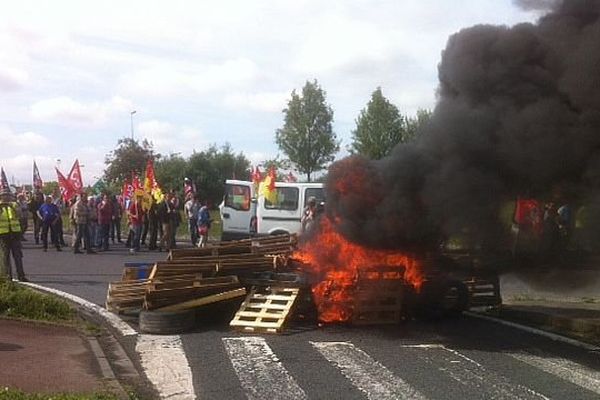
{"type": "Point", "coordinates": [137, 233]}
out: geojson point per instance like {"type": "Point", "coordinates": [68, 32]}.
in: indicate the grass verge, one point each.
{"type": "Point", "coordinates": [12, 394]}
{"type": "Point", "coordinates": [20, 302]}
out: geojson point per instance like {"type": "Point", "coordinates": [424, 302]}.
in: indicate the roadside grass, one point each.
{"type": "Point", "coordinates": [214, 233]}
{"type": "Point", "coordinates": [17, 301]}
{"type": "Point", "coordinates": [13, 394]}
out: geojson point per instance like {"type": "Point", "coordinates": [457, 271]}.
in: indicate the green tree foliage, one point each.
{"type": "Point", "coordinates": [307, 137]}
{"type": "Point", "coordinates": [414, 125]}
{"type": "Point", "coordinates": [210, 168]}
{"type": "Point", "coordinates": [379, 128]}
{"type": "Point", "coordinates": [129, 156]}
{"type": "Point", "coordinates": [170, 172]}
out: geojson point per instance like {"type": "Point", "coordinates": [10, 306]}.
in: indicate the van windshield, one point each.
{"type": "Point", "coordinates": [287, 199]}
{"type": "Point", "coordinates": [237, 197]}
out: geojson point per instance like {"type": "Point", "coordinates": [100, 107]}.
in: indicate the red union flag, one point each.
{"type": "Point", "coordinates": [37, 179]}
{"type": "Point", "coordinates": [528, 214]}
{"type": "Point", "coordinates": [75, 177]}
{"type": "Point", "coordinates": [66, 188]}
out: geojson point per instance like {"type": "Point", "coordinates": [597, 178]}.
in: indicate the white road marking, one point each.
{"type": "Point", "coordinates": [366, 374]}
{"type": "Point", "coordinates": [570, 371]}
{"type": "Point", "coordinates": [166, 365]}
{"type": "Point", "coordinates": [550, 335]}
{"type": "Point", "coordinates": [260, 373]}
{"type": "Point", "coordinates": [469, 372]}
{"type": "Point", "coordinates": [123, 328]}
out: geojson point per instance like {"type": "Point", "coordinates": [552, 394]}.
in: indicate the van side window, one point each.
{"type": "Point", "coordinates": [287, 199]}
{"type": "Point", "coordinates": [237, 197]}
{"type": "Point", "coordinates": [317, 193]}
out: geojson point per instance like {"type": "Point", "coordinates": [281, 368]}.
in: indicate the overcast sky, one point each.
{"type": "Point", "coordinates": [202, 72]}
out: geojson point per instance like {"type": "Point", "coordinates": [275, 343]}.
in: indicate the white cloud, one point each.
{"type": "Point", "coordinates": [23, 141]}
{"type": "Point", "coordinates": [264, 101]}
{"type": "Point", "coordinates": [12, 78]}
{"type": "Point", "coordinates": [176, 78]}
{"type": "Point", "coordinates": [64, 110]}
{"type": "Point", "coordinates": [170, 139]}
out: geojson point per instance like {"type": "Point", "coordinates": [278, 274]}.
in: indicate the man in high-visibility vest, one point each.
{"type": "Point", "coordinates": [10, 236]}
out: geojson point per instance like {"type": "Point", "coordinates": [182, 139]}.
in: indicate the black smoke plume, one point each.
{"type": "Point", "coordinates": [518, 114]}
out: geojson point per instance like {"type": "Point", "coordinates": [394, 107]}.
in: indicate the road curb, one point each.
{"type": "Point", "coordinates": [585, 329]}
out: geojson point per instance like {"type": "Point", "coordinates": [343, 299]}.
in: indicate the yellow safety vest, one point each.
{"type": "Point", "coordinates": [9, 220]}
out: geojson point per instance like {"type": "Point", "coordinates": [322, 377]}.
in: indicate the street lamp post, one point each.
{"type": "Point", "coordinates": [131, 114]}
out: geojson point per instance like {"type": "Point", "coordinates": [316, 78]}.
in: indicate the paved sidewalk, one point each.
{"type": "Point", "coordinates": [562, 301]}
{"type": "Point", "coordinates": [43, 358]}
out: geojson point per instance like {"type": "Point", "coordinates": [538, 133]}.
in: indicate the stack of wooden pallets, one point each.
{"type": "Point", "coordinates": [189, 275]}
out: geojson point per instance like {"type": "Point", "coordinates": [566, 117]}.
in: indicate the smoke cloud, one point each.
{"type": "Point", "coordinates": [518, 114]}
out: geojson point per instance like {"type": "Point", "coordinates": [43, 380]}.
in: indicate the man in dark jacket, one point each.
{"type": "Point", "coordinates": [36, 201]}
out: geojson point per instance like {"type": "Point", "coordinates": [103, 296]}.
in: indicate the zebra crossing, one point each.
{"type": "Point", "coordinates": [262, 374]}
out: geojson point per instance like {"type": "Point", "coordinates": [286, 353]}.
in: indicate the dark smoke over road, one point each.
{"type": "Point", "coordinates": [518, 114]}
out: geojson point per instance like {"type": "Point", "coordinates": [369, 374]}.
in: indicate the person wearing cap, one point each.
{"type": "Point", "coordinates": [10, 235]}
{"type": "Point", "coordinates": [49, 214]}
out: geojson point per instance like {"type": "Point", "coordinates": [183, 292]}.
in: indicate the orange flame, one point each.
{"type": "Point", "coordinates": [337, 263]}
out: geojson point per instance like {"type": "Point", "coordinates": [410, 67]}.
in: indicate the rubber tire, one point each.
{"type": "Point", "coordinates": [166, 322]}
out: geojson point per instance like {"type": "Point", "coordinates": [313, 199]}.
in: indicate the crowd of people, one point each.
{"type": "Point", "coordinates": [96, 222]}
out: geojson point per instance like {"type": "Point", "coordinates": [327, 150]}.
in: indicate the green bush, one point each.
{"type": "Point", "coordinates": [17, 301]}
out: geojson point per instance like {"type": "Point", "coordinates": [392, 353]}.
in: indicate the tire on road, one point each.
{"type": "Point", "coordinates": [442, 298]}
{"type": "Point", "coordinates": [166, 322]}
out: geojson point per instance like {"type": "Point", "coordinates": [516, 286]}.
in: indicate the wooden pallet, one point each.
{"type": "Point", "coordinates": [378, 297]}
{"type": "Point", "coordinates": [483, 292]}
{"type": "Point", "coordinates": [265, 310]}
{"type": "Point", "coordinates": [125, 296]}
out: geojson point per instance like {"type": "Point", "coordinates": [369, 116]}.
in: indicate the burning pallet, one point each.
{"type": "Point", "coordinates": [378, 297]}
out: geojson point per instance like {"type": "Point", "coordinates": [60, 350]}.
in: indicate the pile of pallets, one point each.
{"type": "Point", "coordinates": [198, 276]}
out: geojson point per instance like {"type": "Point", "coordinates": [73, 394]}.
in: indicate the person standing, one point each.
{"type": "Point", "coordinates": [49, 215]}
{"type": "Point", "coordinates": [36, 201]}
{"type": "Point", "coordinates": [203, 225]}
{"type": "Point", "coordinates": [165, 212]}
{"type": "Point", "coordinates": [93, 223]}
{"type": "Point", "coordinates": [153, 224]}
{"type": "Point", "coordinates": [136, 220]}
{"type": "Point", "coordinates": [58, 201]}
{"type": "Point", "coordinates": [309, 214]}
{"type": "Point", "coordinates": [81, 215]}
{"type": "Point", "coordinates": [191, 208]}
{"type": "Point", "coordinates": [23, 210]}
{"type": "Point", "coordinates": [117, 216]}
{"type": "Point", "coordinates": [10, 236]}
{"type": "Point", "coordinates": [105, 214]}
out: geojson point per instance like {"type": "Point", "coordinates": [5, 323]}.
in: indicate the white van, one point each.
{"type": "Point", "coordinates": [244, 215]}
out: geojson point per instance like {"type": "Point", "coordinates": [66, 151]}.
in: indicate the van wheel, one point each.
{"type": "Point", "coordinates": [166, 322]}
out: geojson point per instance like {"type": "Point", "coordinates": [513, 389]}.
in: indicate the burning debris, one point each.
{"type": "Point", "coordinates": [518, 115]}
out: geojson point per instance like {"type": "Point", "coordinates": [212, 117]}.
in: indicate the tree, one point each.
{"type": "Point", "coordinates": [210, 168]}
{"type": "Point", "coordinates": [170, 172]}
{"type": "Point", "coordinates": [307, 137]}
{"type": "Point", "coordinates": [414, 125]}
{"type": "Point", "coordinates": [379, 128]}
{"type": "Point", "coordinates": [129, 156]}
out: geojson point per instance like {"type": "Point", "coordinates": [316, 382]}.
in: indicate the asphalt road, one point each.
{"type": "Point", "coordinates": [466, 358]}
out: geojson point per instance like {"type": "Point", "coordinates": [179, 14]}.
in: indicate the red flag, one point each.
{"type": "Point", "coordinates": [75, 177]}
{"type": "Point", "coordinates": [66, 187]}
{"type": "Point", "coordinates": [528, 213]}
{"type": "Point", "coordinates": [273, 175]}
{"type": "Point", "coordinates": [135, 181]}
{"type": "Point", "coordinates": [256, 176]}
{"type": "Point", "coordinates": [37, 179]}
{"type": "Point", "coordinates": [3, 180]}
